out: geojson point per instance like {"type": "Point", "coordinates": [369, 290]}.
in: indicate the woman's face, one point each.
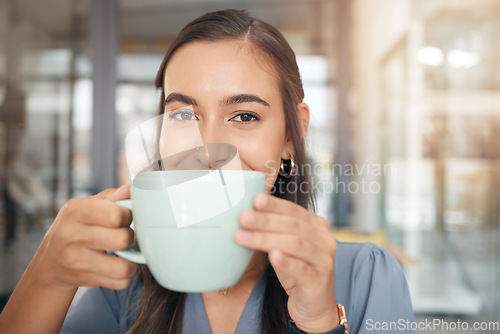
{"type": "Point", "coordinates": [224, 92]}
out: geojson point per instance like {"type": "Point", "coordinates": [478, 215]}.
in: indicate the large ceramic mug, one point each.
{"type": "Point", "coordinates": [185, 222]}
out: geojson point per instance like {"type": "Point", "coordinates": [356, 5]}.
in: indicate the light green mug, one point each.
{"type": "Point", "coordinates": [185, 222]}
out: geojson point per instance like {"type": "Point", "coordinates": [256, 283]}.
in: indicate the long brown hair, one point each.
{"type": "Point", "coordinates": [161, 310]}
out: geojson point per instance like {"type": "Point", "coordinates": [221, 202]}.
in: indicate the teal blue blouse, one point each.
{"type": "Point", "coordinates": [368, 282]}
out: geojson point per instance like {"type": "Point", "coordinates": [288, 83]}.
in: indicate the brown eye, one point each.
{"type": "Point", "coordinates": [245, 118]}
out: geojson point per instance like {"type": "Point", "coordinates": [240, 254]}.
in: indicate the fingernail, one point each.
{"type": "Point", "coordinates": [243, 235]}
{"type": "Point", "coordinates": [121, 188]}
{"type": "Point", "coordinates": [261, 200]}
{"type": "Point", "coordinates": [248, 218]}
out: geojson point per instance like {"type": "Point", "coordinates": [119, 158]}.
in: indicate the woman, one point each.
{"type": "Point", "coordinates": [238, 79]}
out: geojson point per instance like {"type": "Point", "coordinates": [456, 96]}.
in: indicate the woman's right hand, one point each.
{"type": "Point", "coordinates": [72, 254]}
{"type": "Point", "coordinates": [73, 251]}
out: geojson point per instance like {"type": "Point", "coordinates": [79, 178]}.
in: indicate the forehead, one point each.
{"type": "Point", "coordinates": [229, 65]}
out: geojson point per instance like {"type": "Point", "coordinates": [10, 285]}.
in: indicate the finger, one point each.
{"type": "Point", "coordinates": [110, 266]}
{"type": "Point", "coordinates": [268, 203]}
{"type": "Point", "coordinates": [105, 194]}
{"type": "Point", "coordinates": [92, 280]}
{"type": "Point", "coordinates": [115, 194]}
{"type": "Point", "coordinates": [292, 245]}
{"type": "Point", "coordinates": [277, 223]}
{"type": "Point", "coordinates": [113, 284]}
{"type": "Point", "coordinates": [95, 211]}
{"type": "Point", "coordinates": [123, 192]}
{"type": "Point", "coordinates": [111, 239]}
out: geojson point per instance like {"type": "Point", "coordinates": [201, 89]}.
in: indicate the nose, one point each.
{"type": "Point", "coordinates": [211, 150]}
{"type": "Point", "coordinates": [216, 151]}
{"type": "Point", "coordinates": [215, 155]}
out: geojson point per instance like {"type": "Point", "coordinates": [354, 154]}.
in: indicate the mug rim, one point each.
{"type": "Point", "coordinates": [198, 174]}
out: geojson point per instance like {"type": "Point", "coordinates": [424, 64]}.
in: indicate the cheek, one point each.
{"type": "Point", "coordinates": [263, 154]}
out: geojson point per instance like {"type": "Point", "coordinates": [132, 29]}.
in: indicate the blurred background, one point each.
{"type": "Point", "coordinates": [404, 137]}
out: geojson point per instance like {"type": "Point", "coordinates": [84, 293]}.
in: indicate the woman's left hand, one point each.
{"type": "Point", "coordinates": [302, 252]}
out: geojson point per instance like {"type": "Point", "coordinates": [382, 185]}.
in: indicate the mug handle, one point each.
{"type": "Point", "coordinates": [129, 254]}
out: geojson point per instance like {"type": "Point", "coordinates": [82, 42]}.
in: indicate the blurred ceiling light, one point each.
{"type": "Point", "coordinates": [430, 55]}
{"type": "Point", "coordinates": [462, 59]}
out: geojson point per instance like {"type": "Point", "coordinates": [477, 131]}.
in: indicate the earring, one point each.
{"type": "Point", "coordinates": [292, 168]}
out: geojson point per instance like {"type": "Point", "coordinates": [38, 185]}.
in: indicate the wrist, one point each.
{"type": "Point", "coordinates": [338, 318]}
{"type": "Point", "coordinates": [320, 325]}
{"type": "Point", "coordinates": [295, 330]}
{"type": "Point", "coordinates": [45, 303]}
{"type": "Point", "coordinates": [44, 277]}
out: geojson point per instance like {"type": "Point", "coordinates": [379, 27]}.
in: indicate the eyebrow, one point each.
{"type": "Point", "coordinates": [244, 98]}
{"type": "Point", "coordinates": [235, 99]}
{"type": "Point", "coordinates": [172, 97]}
